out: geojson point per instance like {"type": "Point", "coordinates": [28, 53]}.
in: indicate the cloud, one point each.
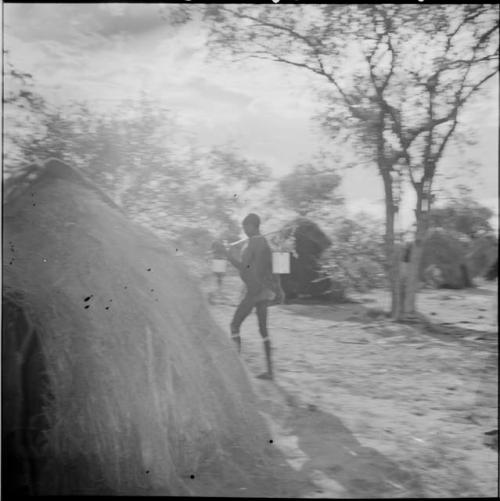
{"type": "Point", "coordinates": [115, 9]}
{"type": "Point", "coordinates": [132, 20]}
{"type": "Point", "coordinates": [59, 22]}
{"type": "Point", "coordinates": [105, 53]}
{"type": "Point", "coordinates": [213, 92]}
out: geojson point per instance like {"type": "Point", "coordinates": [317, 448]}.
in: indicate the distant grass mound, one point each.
{"type": "Point", "coordinates": [482, 255]}
{"type": "Point", "coordinates": [447, 251]}
{"type": "Point", "coordinates": [306, 277]}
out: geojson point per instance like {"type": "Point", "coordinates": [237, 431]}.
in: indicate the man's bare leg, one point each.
{"type": "Point", "coordinates": [237, 339]}
{"type": "Point", "coordinates": [261, 310]}
{"type": "Point", "coordinates": [242, 311]}
{"type": "Point", "coordinates": [267, 350]}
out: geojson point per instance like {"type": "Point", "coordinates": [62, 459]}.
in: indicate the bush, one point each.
{"type": "Point", "coordinates": [356, 258]}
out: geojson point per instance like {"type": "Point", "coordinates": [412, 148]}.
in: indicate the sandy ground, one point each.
{"type": "Point", "coordinates": [366, 407]}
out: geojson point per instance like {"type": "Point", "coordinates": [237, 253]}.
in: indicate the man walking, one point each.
{"type": "Point", "coordinates": [256, 271]}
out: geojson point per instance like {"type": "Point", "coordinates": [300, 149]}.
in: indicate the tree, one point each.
{"type": "Point", "coordinates": [308, 186]}
{"type": "Point", "coordinates": [462, 219]}
{"type": "Point", "coordinates": [228, 164]}
{"type": "Point", "coordinates": [356, 257]}
{"type": "Point", "coordinates": [398, 78]}
{"type": "Point", "coordinates": [138, 157]}
{"type": "Point", "coordinates": [462, 214]}
{"type": "Point", "coordinates": [23, 116]}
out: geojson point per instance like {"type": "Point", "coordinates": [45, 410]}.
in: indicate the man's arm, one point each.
{"type": "Point", "coordinates": [227, 253]}
{"type": "Point", "coordinates": [235, 262]}
{"type": "Point", "coordinates": [246, 266]}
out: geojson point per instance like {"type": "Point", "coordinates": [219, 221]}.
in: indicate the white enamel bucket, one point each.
{"type": "Point", "coordinates": [219, 265]}
{"type": "Point", "coordinates": [281, 262]}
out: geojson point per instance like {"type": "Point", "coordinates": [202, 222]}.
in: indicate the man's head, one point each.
{"type": "Point", "coordinates": [251, 225]}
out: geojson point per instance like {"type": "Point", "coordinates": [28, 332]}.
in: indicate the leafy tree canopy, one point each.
{"type": "Point", "coordinates": [308, 186]}
{"type": "Point", "coordinates": [463, 214]}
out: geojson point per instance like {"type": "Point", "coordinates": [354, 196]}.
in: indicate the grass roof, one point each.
{"type": "Point", "coordinates": [148, 395]}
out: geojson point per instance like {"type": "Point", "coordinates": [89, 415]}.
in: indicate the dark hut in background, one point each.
{"type": "Point", "coordinates": [492, 273]}
{"type": "Point", "coordinates": [447, 252]}
{"type": "Point", "coordinates": [482, 255]}
{"type": "Point", "coordinates": [115, 378]}
{"type": "Point", "coordinates": [306, 277]}
{"type": "Point", "coordinates": [458, 258]}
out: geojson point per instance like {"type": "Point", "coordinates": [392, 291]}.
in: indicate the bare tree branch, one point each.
{"type": "Point", "coordinates": [478, 85]}
{"type": "Point", "coordinates": [475, 11]}
{"type": "Point", "coordinates": [447, 136]}
{"type": "Point", "coordinates": [268, 24]}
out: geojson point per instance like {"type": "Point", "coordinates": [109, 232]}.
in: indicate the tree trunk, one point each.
{"type": "Point", "coordinates": [410, 283]}
{"type": "Point", "coordinates": [397, 294]}
{"type": "Point", "coordinates": [391, 250]}
{"type": "Point", "coordinates": [404, 275]}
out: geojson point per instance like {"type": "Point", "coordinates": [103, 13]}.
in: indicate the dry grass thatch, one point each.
{"type": "Point", "coordinates": [146, 390]}
{"type": "Point", "coordinates": [306, 277]}
{"type": "Point", "coordinates": [446, 251]}
{"type": "Point", "coordinates": [482, 255]}
{"type": "Point", "coordinates": [310, 238]}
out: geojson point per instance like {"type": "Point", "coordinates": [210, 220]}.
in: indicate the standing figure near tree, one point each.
{"type": "Point", "coordinates": [262, 287]}
{"type": "Point", "coordinates": [217, 255]}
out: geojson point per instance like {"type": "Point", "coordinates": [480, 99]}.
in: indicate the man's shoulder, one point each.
{"type": "Point", "coordinates": [259, 241]}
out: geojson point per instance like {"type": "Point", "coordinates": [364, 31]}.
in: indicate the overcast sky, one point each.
{"type": "Point", "coordinates": [263, 109]}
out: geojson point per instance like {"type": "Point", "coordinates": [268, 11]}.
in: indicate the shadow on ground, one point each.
{"type": "Point", "coordinates": [332, 455]}
{"type": "Point", "coordinates": [336, 313]}
{"type": "Point", "coordinates": [359, 313]}
{"type": "Point", "coordinates": [362, 471]}
{"type": "Point", "coordinates": [479, 291]}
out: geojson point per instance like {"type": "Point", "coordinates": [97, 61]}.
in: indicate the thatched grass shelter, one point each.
{"type": "Point", "coordinates": [305, 276]}
{"type": "Point", "coordinates": [492, 273]}
{"type": "Point", "coordinates": [446, 251]}
{"type": "Point", "coordinates": [482, 255]}
{"type": "Point", "coordinates": [116, 380]}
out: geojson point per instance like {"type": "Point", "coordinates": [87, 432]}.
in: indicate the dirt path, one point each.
{"type": "Point", "coordinates": [370, 408]}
